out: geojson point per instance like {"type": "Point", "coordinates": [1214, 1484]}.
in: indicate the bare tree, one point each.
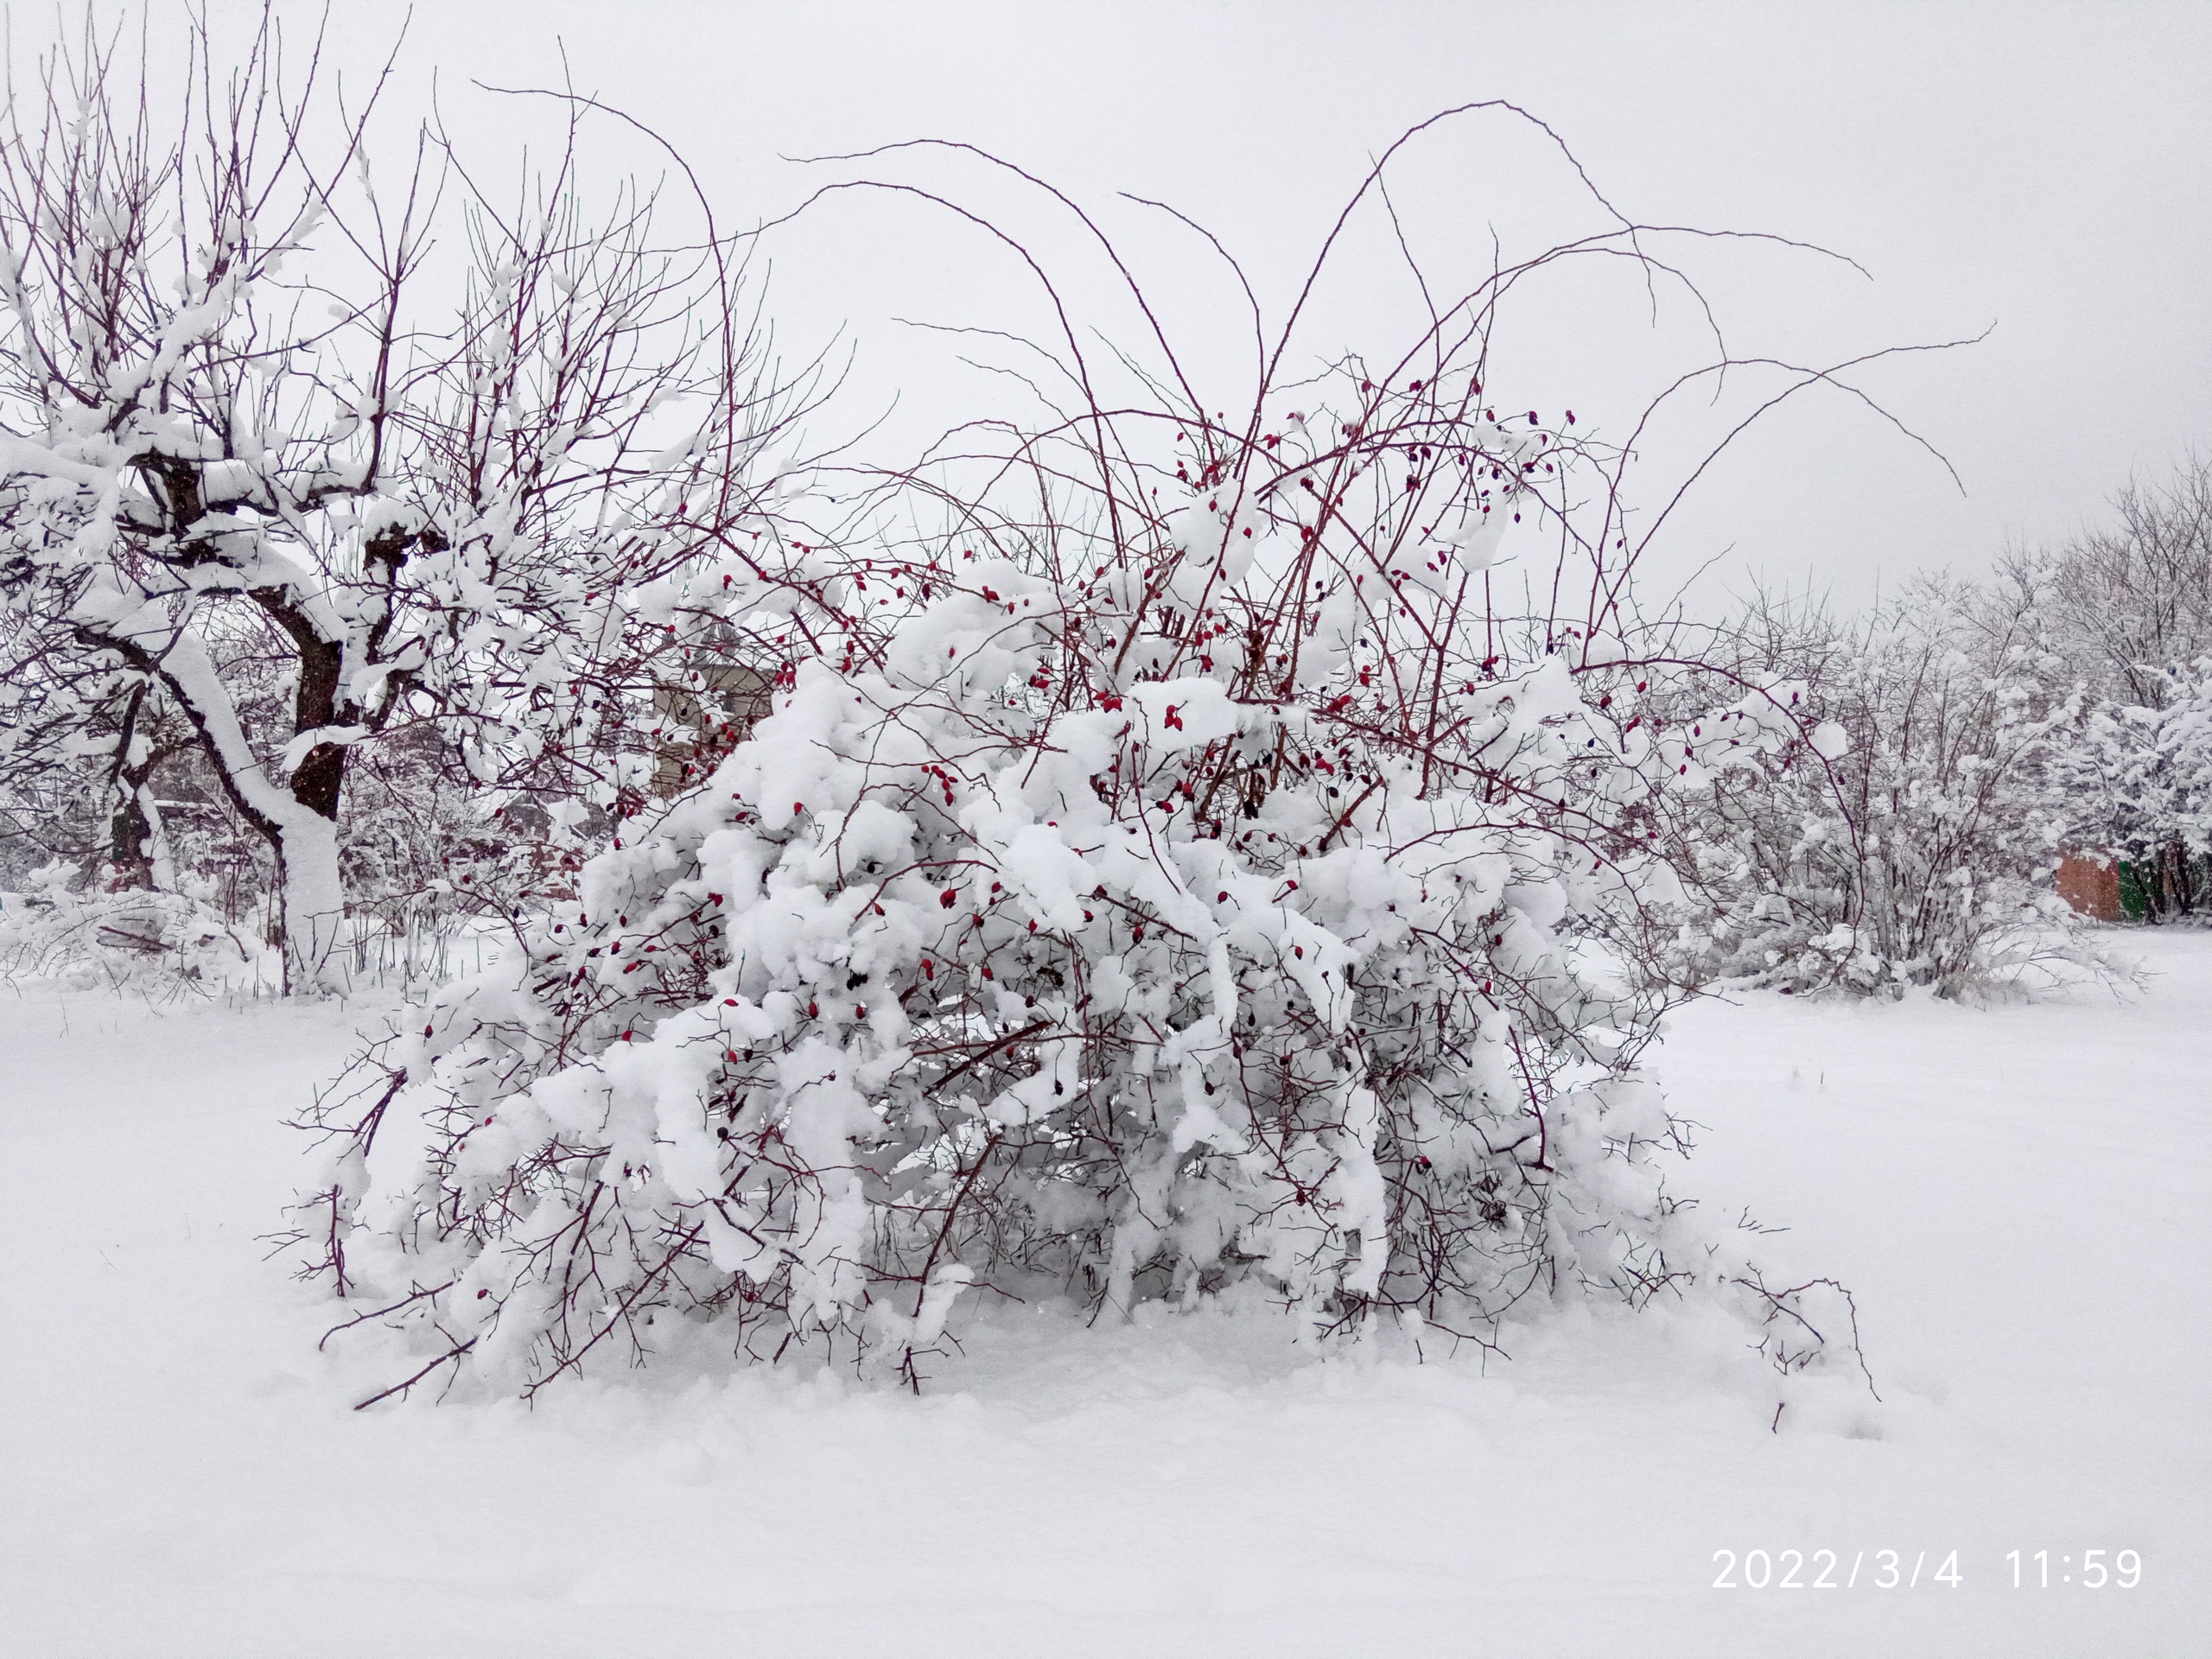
{"type": "Point", "coordinates": [2128, 604]}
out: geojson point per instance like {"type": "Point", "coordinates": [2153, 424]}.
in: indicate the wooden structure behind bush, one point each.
{"type": "Point", "coordinates": [2090, 882]}
{"type": "Point", "coordinates": [697, 725]}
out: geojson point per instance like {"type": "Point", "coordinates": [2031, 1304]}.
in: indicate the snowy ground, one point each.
{"type": "Point", "coordinates": [2019, 1196]}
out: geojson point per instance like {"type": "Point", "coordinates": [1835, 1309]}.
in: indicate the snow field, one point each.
{"type": "Point", "coordinates": [2017, 1195]}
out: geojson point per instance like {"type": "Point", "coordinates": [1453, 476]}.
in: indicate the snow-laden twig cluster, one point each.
{"type": "Point", "coordinates": [1204, 888]}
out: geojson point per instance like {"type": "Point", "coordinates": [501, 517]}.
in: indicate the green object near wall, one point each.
{"type": "Point", "coordinates": [2134, 896]}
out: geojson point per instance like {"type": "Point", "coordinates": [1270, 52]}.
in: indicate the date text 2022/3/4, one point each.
{"type": "Point", "coordinates": [1894, 1569]}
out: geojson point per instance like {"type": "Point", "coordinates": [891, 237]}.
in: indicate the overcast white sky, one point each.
{"type": "Point", "coordinates": [2040, 171]}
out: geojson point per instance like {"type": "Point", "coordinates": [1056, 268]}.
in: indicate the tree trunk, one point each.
{"type": "Point", "coordinates": [129, 847]}
{"type": "Point", "coordinates": [314, 898]}
{"type": "Point", "coordinates": [299, 823]}
{"type": "Point", "coordinates": [314, 903]}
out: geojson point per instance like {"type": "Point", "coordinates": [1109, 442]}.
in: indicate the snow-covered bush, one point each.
{"type": "Point", "coordinates": [57, 929]}
{"type": "Point", "coordinates": [1187, 875]}
{"type": "Point", "coordinates": [1909, 838]}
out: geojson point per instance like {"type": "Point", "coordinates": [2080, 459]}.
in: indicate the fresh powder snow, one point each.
{"type": "Point", "coordinates": [2015, 1193]}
